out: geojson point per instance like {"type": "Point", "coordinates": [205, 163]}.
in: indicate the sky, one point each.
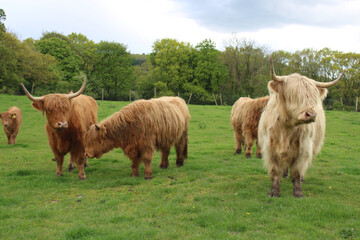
{"type": "Point", "coordinates": [288, 25]}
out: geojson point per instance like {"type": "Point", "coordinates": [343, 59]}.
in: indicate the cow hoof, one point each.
{"type": "Point", "coordinates": [163, 166]}
{"type": "Point", "coordinates": [147, 177]}
{"type": "Point", "coordinates": [274, 193]}
{"type": "Point", "coordinates": [248, 155]}
{"type": "Point", "coordinates": [179, 164]}
{"type": "Point", "coordinates": [59, 174]}
{"type": "Point", "coordinates": [237, 151]}
{"type": "Point", "coordinates": [285, 175]}
{"type": "Point", "coordinates": [54, 159]}
{"type": "Point", "coordinates": [259, 155]}
{"type": "Point", "coordinates": [82, 178]}
{"type": "Point", "coordinates": [70, 168]}
{"type": "Point", "coordinates": [298, 194]}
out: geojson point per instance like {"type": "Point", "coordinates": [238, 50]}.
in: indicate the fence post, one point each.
{"type": "Point", "coordinates": [154, 92]}
{"type": "Point", "coordinates": [342, 105]}
{"type": "Point", "coordinates": [214, 99]}
{"type": "Point", "coordinates": [221, 100]}
{"type": "Point", "coordinates": [130, 95]}
{"type": "Point", "coordinates": [189, 98]}
{"type": "Point", "coordinates": [102, 94]}
{"type": "Point", "coordinates": [357, 100]}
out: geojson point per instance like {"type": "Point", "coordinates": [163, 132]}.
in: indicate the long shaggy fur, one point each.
{"type": "Point", "coordinates": [140, 128]}
{"type": "Point", "coordinates": [245, 116]}
{"type": "Point", "coordinates": [285, 141]}
{"type": "Point", "coordinates": [11, 121]}
{"type": "Point", "coordinates": [79, 113]}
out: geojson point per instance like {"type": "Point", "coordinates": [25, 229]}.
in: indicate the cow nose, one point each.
{"type": "Point", "coordinates": [310, 116]}
{"type": "Point", "coordinates": [62, 124]}
{"type": "Point", "coordinates": [6, 125]}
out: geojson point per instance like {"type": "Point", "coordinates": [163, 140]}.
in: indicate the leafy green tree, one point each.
{"type": "Point", "coordinates": [37, 69]}
{"type": "Point", "coordinates": [2, 18]}
{"type": "Point", "coordinates": [113, 69]}
{"type": "Point", "coordinates": [55, 45]}
{"type": "Point", "coordinates": [10, 75]}
{"type": "Point", "coordinates": [173, 63]}
{"type": "Point", "coordinates": [86, 49]}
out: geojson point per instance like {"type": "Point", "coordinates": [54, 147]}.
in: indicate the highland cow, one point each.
{"type": "Point", "coordinates": [140, 128]}
{"type": "Point", "coordinates": [292, 127]}
{"type": "Point", "coordinates": [69, 116]}
{"type": "Point", "coordinates": [11, 121]}
{"type": "Point", "coordinates": [245, 116]}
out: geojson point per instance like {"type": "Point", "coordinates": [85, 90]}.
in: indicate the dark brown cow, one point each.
{"type": "Point", "coordinates": [69, 116]}
{"type": "Point", "coordinates": [245, 116]}
{"type": "Point", "coordinates": [11, 121]}
{"type": "Point", "coordinates": [292, 127]}
{"type": "Point", "coordinates": [141, 127]}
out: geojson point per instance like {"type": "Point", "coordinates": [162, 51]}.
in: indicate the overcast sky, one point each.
{"type": "Point", "coordinates": [276, 24]}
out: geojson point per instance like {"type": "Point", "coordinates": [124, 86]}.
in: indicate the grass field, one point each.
{"type": "Point", "coordinates": [215, 195]}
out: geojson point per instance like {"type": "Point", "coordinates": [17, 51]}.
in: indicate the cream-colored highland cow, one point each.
{"type": "Point", "coordinates": [245, 116]}
{"type": "Point", "coordinates": [292, 127]}
{"type": "Point", "coordinates": [139, 129]}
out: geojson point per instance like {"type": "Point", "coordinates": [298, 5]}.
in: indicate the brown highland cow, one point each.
{"type": "Point", "coordinates": [140, 128]}
{"type": "Point", "coordinates": [11, 121]}
{"type": "Point", "coordinates": [69, 116]}
{"type": "Point", "coordinates": [245, 116]}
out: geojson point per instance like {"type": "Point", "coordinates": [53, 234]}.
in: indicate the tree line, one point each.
{"type": "Point", "coordinates": [58, 62]}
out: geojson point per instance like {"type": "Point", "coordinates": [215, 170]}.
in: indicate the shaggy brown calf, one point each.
{"type": "Point", "coordinates": [11, 121]}
{"type": "Point", "coordinates": [140, 128]}
{"type": "Point", "coordinates": [245, 116]}
{"type": "Point", "coordinates": [292, 127]}
{"type": "Point", "coordinates": [69, 116]}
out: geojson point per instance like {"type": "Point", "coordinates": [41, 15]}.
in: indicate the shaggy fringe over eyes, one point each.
{"type": "Point", "coordinates": [59, 102]}
{"type": "Point", "coordinates": [301, 92]}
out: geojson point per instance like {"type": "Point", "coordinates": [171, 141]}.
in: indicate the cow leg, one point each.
{"type": "Point", "coordinates": [135, 167]}
{"type": "Point", "coordinates": [71, 163]}
{"type": "Point", "coordinates": [275, 178]}
{"type": "Point", "coordinates": [285, 172]}
{"type": "Point", "coordinates": [59, 164]}
{"type": "Point", "coordinates": [239, 141]}
{"type": "Point", "coordinates": [79, 158]}
{"type": "Point", "coordinates": [9, 139]}
{"type": "Point", "coordinates": [249, 144]}
{"type": "Point", "coordinates": [181, 150]}
{"type": "Point", "coordinates": [296, 180]}
{"type": "Point", "coordinates": [258, 150]}
{"type": "Point", "coordinates": [146, 157]}
{"type": "Point", "coordinates": [164, 158]}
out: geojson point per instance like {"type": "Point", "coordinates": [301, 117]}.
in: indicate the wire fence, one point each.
{"type": "Point", "coordinates": [218, 99]}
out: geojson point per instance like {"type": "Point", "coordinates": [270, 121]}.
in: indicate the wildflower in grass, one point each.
{"type": "Point", "coordinates": [329, 187]}
{"type": "Point", "coordinates": [247, 213]}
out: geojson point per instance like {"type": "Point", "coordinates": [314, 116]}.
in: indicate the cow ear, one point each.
{"type": "Point", "coordinates": [13, 116]}
{"type": "Point", "coordinates": [323, 93]}
{"type": "Point", "coordinates": [38, 105]}
{"type": "Point", "coordinates": [103, 131]}
{"type": "Point", "coordinates": [97, 128]}
{"type": "Point", "coordinates": [275, 86]}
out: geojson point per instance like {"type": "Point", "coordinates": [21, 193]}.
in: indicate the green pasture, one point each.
{"type": "Point", "coordinates": [215, 195]}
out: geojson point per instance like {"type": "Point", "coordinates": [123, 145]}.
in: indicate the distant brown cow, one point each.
{"type": "Point", "coordinates": [69, 116]}
{"type": "Point", "coordinates": [141, 127]}
{"type": "Point", "coordinates": [245, 116]}
{"type": "Point", "coordinates": [11, 121]}
{"type": "Point", "coordinates": [292, 127]}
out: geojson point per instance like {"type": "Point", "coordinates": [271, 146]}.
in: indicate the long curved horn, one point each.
{"type": "Point", "coordinates": [272, 72]}
{"type": "Point", "coordinates": [329, 84]}
{"type": "Point", "coordinates": [72, 95]}
{"type": "Point", "coordinates": [30, 96]}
